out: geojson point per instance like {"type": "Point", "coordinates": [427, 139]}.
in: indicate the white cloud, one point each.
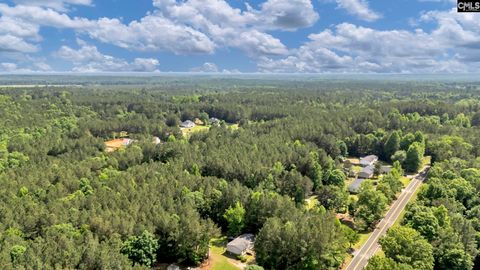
{"type": "Point", "coordinates": [151, 33]}
{"type": "Point", "coordinates": [61, 5]}
{"type": "Point", "coordinates": [88, 59]}
{"type": "Point", "coordinates": [186, 27]}
{"type": "Point", "coordinates": [285, 14]}
{"type": "Point", "coordinates": [8, 67]}
{"type": "Point", "coordinates": [10, 43]}
{"type": "Point", "coordinates": [359, 8]}
{"type": "Point", "coordinates": [45, 17]}
{"type": "Point", "coordinates": [206, 67]}
{"type": "Point", "coordinates": [37, 66]}
{"type": "Point", "coordinates": [245, 30]}
{"type": "Point", "coordinates": [351, 48]}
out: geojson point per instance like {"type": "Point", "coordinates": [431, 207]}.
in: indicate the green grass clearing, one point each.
{"type": "Point", "coordinates": [405, 181]}
{"type": "Point", "coordinates": [311, 202]}
{"type": "Point", "coordinates": [218, 261]}
{"type": "Point", "coordinates": [187, 132]}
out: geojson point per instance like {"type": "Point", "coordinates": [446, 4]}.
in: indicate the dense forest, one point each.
{"type": "Point", "coordinates": [67, 203]}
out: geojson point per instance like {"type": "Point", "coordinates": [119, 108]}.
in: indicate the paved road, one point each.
{"type": "Point", "coordinates": [370, 247]}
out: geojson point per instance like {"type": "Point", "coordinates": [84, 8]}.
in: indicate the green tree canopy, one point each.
{"type": "Point", "coordinates": [405, 245]}
{"type": "Point", "coordinates": [141, 249]}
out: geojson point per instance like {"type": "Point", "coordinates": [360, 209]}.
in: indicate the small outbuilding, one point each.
{"type": "Point", "coordinates": [187, 124]}
{"type": "Point", "coordinates": [368, 160]}
{"type": "Point", "coordinates": [241, 245]}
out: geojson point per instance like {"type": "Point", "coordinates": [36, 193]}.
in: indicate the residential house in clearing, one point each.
{"type": "Point", "coordinates": [241, 245]}
{"type": "Point", "coordinates": [156, 140]}
{"type": "Point", "coordinates": [214, 121]}
{"type": "Point", "coordinates": [355, 186]}
{"type": "Point", "coordinates": [385, 169]}
{"type": "Point", "coordinates": [116, 144]}
{"type": "Point", "coordinates": [187, 124]}
{"type": "Point", "coordinates": [368, 160]}
{"type": "Point", "coordinates": [199, 122]}
{"type": "Point", "coordinates": [366, 172]}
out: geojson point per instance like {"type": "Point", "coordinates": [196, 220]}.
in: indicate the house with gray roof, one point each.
{"type": "Point", "coordinates": [368, 160]}
{"type": "Point", "coordinates": [355, 186]}
{"type": "Point", "coordinates": [385, 169]}
{"type": "Point", "coordinates": [214, 121]}
{"type": "Point", "coordinates": [241, 245]}
{"type": "Point", "coordinates": [366, 172]}
{"type": "Point", "coordinates": [187, 124]}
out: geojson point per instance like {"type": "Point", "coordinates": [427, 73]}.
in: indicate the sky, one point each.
{"type": "Point", "coordinates": [233, 36]}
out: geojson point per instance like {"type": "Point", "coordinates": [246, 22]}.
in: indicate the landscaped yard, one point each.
{"type": "Point", "coordinates": [405, 181]}
{"type": "Point", "coordinates": [218, 260]}
{"type": "Point", "coordinates": [188, 131]}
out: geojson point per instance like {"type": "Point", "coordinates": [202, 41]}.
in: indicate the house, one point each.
{"type": "Point", "coordinates": [214, 121]}
{"type": "Point", "coordinates": [156, 140]}
{"type": "Point", "coordinates": [366, 172]}
{"type": "Point", "coordinates": [385, 169]}
{"type": "Point", "coordinates": [241, 245]}
{"type": "Point", "coordinates": [115, 144]}
{"type": "Point", "coordinates": [199, 122]}
{"type": "Point", "coordinates": [368, 160]}
{"type": "Point", "coordinates": [187, 124]}
{"type": "Point", "coordinates": [355, 186]}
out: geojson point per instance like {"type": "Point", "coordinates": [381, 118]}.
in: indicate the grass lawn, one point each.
{"type": "Point", "coordinates": [233, 126]}
{"type": "Point", "coordinates": [218, 261]}
{"type": "Point", "coordinates": [311, 202]}
{"type": "Point", "coordinates": [188, 131]}
{"type": "Point", "coordinates": [405, 181]}
{"type": "Point", "coordinates": [427, 160]}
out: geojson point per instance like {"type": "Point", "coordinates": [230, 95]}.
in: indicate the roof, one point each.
{"type": "Point", "coordinates": [243, 242]}
{"type": "Point", "coordinates": [368, 159]}
{"type": "Point", "coordinates": [187, 123]}
{"type": "Point", "coordinates": [199, 122]}
{"type": "Point", "coordinates": [355, 186]}
{"type": "Point", "coordinates": [386, 168]}
{"type": "Point", "coordinates": [368, 170]}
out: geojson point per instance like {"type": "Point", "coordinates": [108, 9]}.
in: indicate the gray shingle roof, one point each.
{"type": "Point", "coordinates": [355, 186]}
{"type": "Point", "coordinates": [368, 159]}
{"type": "Point", "coordinates": [368, 170]}
{"type": "Point", "coordinates": [241, 243]}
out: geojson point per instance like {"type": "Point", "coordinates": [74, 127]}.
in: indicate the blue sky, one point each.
{"type": "Point", "coordinates": [231, 36]}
